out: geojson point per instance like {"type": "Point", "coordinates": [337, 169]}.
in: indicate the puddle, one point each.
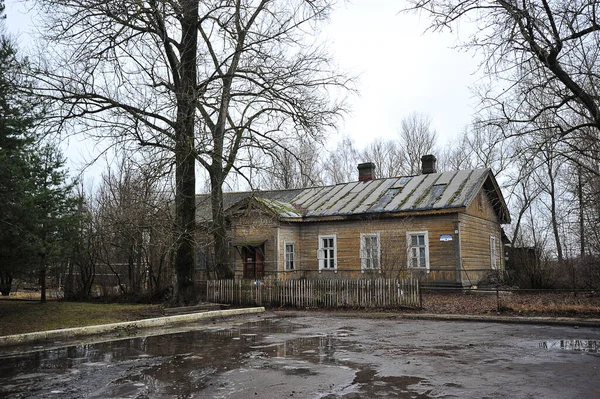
{"type": "Point", "coordinates": [180, 364]}
{"type": "Point", "coordinates": [574, 345]}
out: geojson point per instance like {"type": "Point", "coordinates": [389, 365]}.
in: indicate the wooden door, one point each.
{"type": "Point", "coordinates": [259, 263]}
{"type": "Point", "coordinates": [253, 262]}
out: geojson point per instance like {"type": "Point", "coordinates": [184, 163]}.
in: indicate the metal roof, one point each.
{"type": "Point", "coordinates": [428, 192]}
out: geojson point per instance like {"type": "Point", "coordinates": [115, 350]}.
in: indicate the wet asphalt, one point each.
{"type": "Point", "coordinates": [314, 355]}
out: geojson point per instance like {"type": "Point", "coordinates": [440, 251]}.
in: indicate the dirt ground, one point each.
{"type": "Point", "coordinates": [316, 355]}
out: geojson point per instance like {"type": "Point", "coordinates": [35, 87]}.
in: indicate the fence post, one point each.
{"type": "Point", "coordinates": [497, 300]}
{"type": "Point", "coordinates": [420, 294]}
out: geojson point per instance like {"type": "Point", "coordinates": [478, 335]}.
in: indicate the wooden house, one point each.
{"type": "Point", "coordinates": [444, 228]}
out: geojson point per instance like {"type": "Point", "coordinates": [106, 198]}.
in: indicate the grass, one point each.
{"type": "Point", "coordinates": [19, 316]}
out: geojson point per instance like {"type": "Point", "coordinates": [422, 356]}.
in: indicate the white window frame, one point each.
{"type": "Point", "coordinates": [324, 256]}
{"type": "Point", "coordinates": [286, 260]}
{"type": "Point", "coordinates": [409, 247]}
{"type": "Point", "coordinates": [364, 258]}
{"type": "Point", "coordinates": [493, 253]}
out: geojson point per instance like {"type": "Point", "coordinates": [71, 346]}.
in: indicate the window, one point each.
{"type": "Point", "coordinates": [369, 251]}
{"type": "Point", "coordinates": [418, 250]}
{"type": "Point", "coordinates": [493, 253]}
{"type": "Point", "coordinates": [290, 260]}
{"type": "Point", "coordinates": [327, 253]}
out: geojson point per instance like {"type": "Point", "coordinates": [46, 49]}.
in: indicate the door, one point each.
{"type": "Point", "coordinates": [253, 262]}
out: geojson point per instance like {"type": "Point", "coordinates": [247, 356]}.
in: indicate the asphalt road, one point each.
{"type": "Point", "coordinates": [314, 355]}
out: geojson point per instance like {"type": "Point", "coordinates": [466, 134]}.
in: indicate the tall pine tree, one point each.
{"type": "Point", "coordinates": [37, 208]}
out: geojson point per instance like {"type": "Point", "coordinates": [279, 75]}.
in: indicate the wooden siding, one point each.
{"type": "Point", "coordinates": [288, 233]}
{"type": "Point", "coordinates": [481, 207]}
{"type": "Point", "coordinates": [478, 224]}
{"type": "Point", "coordinates": [393, 255]}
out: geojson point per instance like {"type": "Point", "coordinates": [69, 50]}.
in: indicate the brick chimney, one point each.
{"type": "Point", "coordinates": [428, 164]}
{"type": "Point", "coordinates": [366, 171]}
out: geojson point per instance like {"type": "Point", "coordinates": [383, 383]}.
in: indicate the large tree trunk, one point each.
{"type": "Point", "coordinates": [185, 169]}
{"type": "Point", "coordinates": [184, 229]}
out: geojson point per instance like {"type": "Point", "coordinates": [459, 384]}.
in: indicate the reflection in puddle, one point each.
{"type": "Point", "coordinates": [177, 364]}
{"type": "Point", "coordinates": [200, 363]}
{"type": "Point", "coordinates": [317, 349]}
{"type": "Point", "coordinates": [180, 364]}
{"type": "Point", "coordinates": [576, 345]}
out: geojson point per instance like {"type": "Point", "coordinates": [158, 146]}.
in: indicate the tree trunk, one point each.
{"type": "Point", "coordinates": [42, 282]}
{"type": "Point", "coordinates": [68, 287]}
{"type": "Point", "coordinates": [185, 169]}
{"type": "Point", "coordinates": [554, 217]}
{"type": "Point", "coordinates": [185, 223]}
{"type": "Point", "coordinates": [5, 283]}
{"type": "Point", "coordinates": [581, 216]}
{"type": "Point", "coordinates": [219, 228]}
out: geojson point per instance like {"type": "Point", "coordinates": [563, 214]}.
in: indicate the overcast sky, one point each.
{"type": "Point", "coordinates": [401, 68]}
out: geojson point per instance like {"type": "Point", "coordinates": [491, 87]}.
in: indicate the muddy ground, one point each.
{"type": "Point", "coordinates": [315, 355]}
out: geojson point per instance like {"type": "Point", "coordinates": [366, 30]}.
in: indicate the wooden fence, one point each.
{"type": "Point", "coordinates": [330, 293]}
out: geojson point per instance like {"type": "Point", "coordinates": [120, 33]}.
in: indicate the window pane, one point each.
{"type": "Point", "coordinates": [413, 262]}
{"type": "Point", "coordinates": [422, 262]}
{"type": "Point", "coordinates": [421, 240]}
{"type": "Point", "coordinates": [413, 240]}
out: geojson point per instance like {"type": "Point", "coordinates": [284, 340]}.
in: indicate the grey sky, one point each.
{"type": "Point", "coordinates": [401, 69]}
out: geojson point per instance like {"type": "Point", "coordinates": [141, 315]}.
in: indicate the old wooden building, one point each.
{"type": "Point", "coordinates": [444, 228]}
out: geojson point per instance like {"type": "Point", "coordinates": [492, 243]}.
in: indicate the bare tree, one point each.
{"type": "Point", "coordinates": [132, 221]}
{"type": "Point", "coordinates": [340, 164]}
{"type": "Point", "coordinates": [417, 138]}
{"type": "Point", "coordinates": [455, 156]}
{"type": "Point", "coordinates": [81, 270]}
{"type": "Point", "coordinates": [296, 165]}
{"type": "Point", "coordinates": [198, 80]}
{"type": "Point", "coordinates": [543, 55]}
{"type": "Point", "coordinates": [386, 155]}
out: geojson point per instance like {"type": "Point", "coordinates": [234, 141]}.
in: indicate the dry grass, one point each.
{"type": "Point", "coordinates": [567, 304]}
{"type": "Point", "coordinates": [22, 316]}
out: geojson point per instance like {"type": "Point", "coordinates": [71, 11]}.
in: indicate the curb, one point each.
{"type": "Point", "coordinates": [539, 320]}
{"type": "Point", "coordinates": [553, 321]}
{"type": "Point", "coordinates": [17, 339]}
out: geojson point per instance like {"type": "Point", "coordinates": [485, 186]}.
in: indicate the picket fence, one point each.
{"type": "Point", "coordinates": [333, 293]}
